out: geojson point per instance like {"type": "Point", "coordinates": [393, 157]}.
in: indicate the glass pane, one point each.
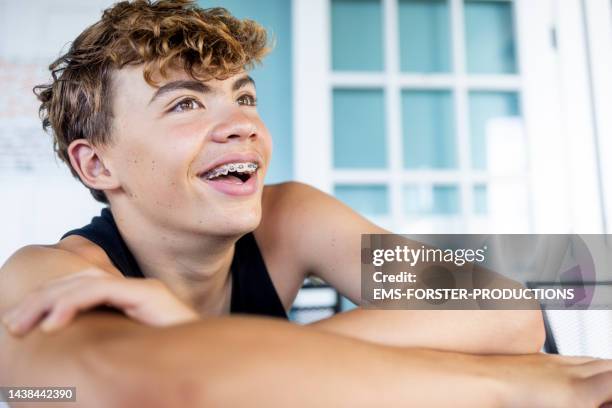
{"type": "Point", "coordinates": [485, 109]}
{"type": "Point", "coordinates": [491, 47]}
{"type": "Point", "coordinates": [346, 304]}
{"type": "Point", "coordinates": [431, 200]}
{"type": "Point", "coordinates": [428, 130]}
{"type": "Point", "coordinates": [367, 200]}
{"type": "Point", "coordinates": [359, 129]}
{"type": "Point", "coordinates": [480, 199]}
{"type": "Point", "coordinates": [357, 43]}
{"type": "Point", "coordinates": [424, 27]}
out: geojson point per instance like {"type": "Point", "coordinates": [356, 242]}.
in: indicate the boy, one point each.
{"type": "Point", "coordinates": [154, 111]}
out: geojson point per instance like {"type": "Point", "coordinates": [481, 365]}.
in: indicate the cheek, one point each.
{"type": "Point", "coordinates": [152, 175]}
{"type": "Point", "coordinates": [269, 146]}
{"type": "Point", "coordinates": [266, 143]}
{"type": "Point", "coordinates": [153, 161]}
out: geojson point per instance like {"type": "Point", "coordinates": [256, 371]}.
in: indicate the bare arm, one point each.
{"type": "Point", "coordinates": [241, 361]}
{"type": "Point", "coordinates": [263, 362]}
{"type": "Point", "coordinates": [465, 331]}
{"type": "Point", "coordinates": [316, 223]}
{"type": "Point", "coordinates": [234, 362]}
{"type": "Point", "coordinates": [114, 361]}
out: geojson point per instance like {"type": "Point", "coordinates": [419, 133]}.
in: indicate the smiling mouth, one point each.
{"type": "Point", "coordinates": [231, 173]}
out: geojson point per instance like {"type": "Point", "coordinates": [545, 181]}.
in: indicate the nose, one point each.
{"type": "Point", "coordinates": [236, 126]}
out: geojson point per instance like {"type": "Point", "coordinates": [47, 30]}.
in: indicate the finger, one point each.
{"type": "Point", "coordinates": [25, 310]}
{"type": "Point", "coordinates": [62, 301]}
{"type": "Point", "coordinates": [20, 319]}
{"type": "Point", "coordinates": [129, 295]}
{"type": "Point", "coordinates": [25, 316]}
{"type": "Point", "coordinates": [59, 317]}
{"type": "Point", "coordinates": [122, 294]}
{"type": "Point", "coordinates": [85, 294]}
{"type": "Point", "coordinates": [572, 360]}
{"type": "Point", "coordinates": [595, 367]}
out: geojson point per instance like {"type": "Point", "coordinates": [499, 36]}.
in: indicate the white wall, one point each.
{"type": "Point", "coordinates": [39, 198]}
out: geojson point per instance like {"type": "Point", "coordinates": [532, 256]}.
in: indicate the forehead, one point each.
{"type": "Point", "coordinates": [129, 82]}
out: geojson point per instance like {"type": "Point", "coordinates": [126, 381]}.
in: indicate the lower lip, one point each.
{"type": "Point", "coordinates": [235, 189]}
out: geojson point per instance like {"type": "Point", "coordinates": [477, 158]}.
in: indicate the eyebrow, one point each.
{"type": "Point", "coordinates": [242, 82]}
{"type": "Point", "coordinates": [198, 86]}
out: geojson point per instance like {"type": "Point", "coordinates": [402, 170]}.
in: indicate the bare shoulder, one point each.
{"type": "Point", "coordinates": [286, 207]}
{"type": "Point", "coordinates": [296, 207]}
{"type": "Point", "coordinates": [282, 205]}
{"type": "Point", "coordinates": [286, 191]}
{"type": "Point", "coordinates": [290, 198]}
{"type": "Point", "coordinates": [316, 234]}
{"type": "Point", "coordinates": [88, 250]}
{"type": "Point", "coordinates": [23, 272]}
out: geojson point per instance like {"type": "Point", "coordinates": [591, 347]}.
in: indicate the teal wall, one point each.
{"type": "Point", "coordinates": [273, 78]}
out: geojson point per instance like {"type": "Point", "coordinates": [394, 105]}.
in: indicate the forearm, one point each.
{"type": "Point", "coordinates": [467, 331]}
{"type": "Point", "coordinates": [238, 361]}
{"type": "Point", "coordinates": [63, 359]}
{"type": "Point", "coordinates": [241, 361]}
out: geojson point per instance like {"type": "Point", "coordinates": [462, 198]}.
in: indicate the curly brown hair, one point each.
{"type": "Point", "coordinates": [161, 35]}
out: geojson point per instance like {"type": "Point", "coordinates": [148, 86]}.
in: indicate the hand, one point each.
{"type": "Point", "coordinates": [541, 380]}
{"type": "Point", "coordinates": [56, 303]}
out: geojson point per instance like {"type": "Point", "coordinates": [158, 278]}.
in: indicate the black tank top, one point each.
{"type": "Point", "coordinates": [252, 288]}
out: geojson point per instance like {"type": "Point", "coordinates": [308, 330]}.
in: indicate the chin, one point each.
{"type": "Point", "coordinates": [240, 222]}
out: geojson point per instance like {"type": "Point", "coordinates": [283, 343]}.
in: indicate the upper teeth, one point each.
{"type": "Point", "coordinates": [242, 167]}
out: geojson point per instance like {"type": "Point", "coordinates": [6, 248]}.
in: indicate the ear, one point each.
{"type": "Point", "coordinates": [86, 161]}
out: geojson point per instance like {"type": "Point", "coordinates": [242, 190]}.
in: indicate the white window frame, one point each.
{"type": "Point", "coordinates": [560, 200]}
{"type": "Point", "coordinates": [598, 21]}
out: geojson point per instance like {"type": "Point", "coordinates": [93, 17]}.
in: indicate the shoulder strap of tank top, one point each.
{"type": "Point", "coordinates": [252, 289]}
{"type": "Point", "coordinates": [103, 232]}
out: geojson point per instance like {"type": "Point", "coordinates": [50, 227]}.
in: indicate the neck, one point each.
{"type": "Point", "coordinates": [194, 266]}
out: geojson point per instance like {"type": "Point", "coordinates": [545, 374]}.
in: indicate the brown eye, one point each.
{"type": "Point", "coordinates": [186, 105]}
{"type": "Point", "coordinates": [248, 100]}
